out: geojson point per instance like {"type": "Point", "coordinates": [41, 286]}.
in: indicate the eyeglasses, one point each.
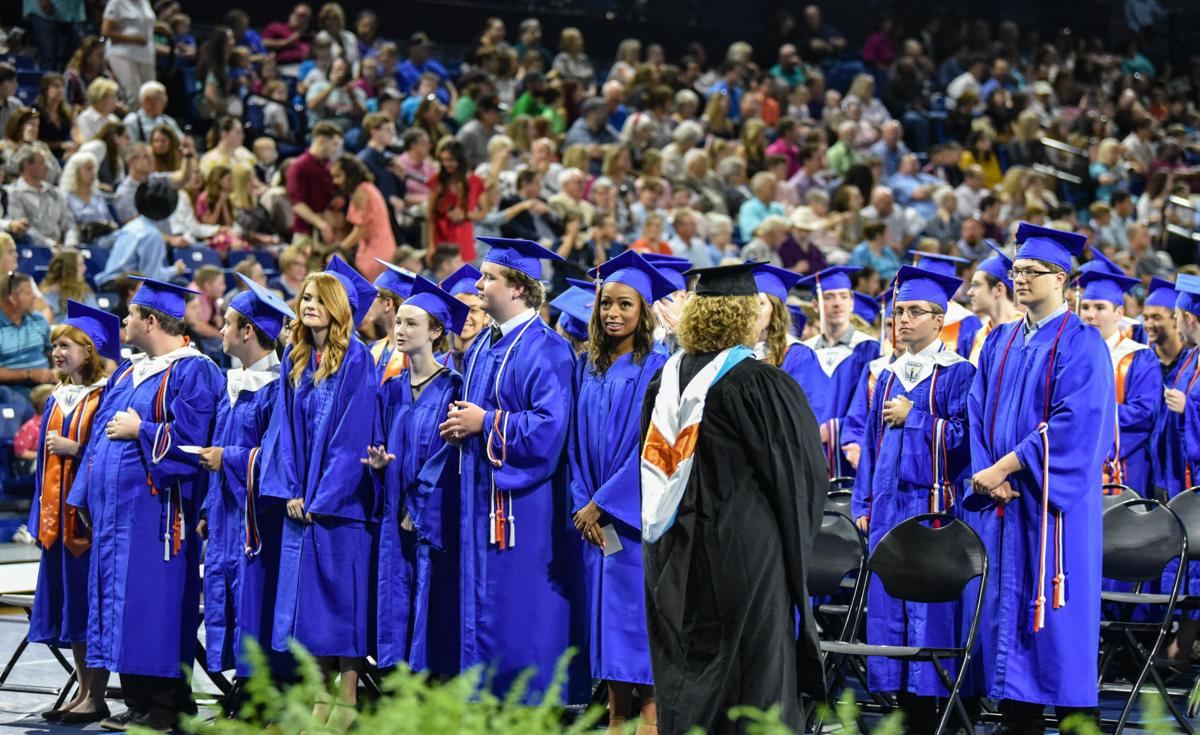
{"type": "Point", "coordinates": [901, 312]}
{"type": "Point", "coordinates": [1026, 274]}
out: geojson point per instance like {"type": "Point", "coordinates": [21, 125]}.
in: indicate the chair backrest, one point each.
{"type": "Point", "coordinates": [920, 563]}
{"type": "Point", "coordinates": [838, 501]}
{"type": "Point", "coordinates": [1140, 536]}
{"type": "Point", "coordinates": [198, 255]}
{"type": "Point", "coordinates": [29, 257]}
{"type": "Point", "coordinates": [838, 551]}
{"type": "Point", "coordinates": [841, 483]}
{"type": "Point", "coordinates": [1187, 506]}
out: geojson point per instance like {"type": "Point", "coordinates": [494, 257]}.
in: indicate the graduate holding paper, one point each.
{"type": "Point", "coordinates": [60, 604]}
{"type": "Point", "coordinates": [418, 540]}
{"type": "Point", "coordinates": [610, 382]}
{"type": "Point", "coordinates": [915, 456]}
{"type": "Point", "coordinates": [1042, 413]}
{"type": "Point", "coordinates": [241, 558]}
{"type": "Point", "coordinates": [142, 491]}
{"type": "Point", "coordinates": [522, 597]}
{"type": "Point", "coordinates": [320, 430]}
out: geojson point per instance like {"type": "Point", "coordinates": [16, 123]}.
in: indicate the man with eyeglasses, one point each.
{"type": "Point", "coordinates": [24, 335]}
{"type": "Point", "coordinates": [914, 460]}
{"type": "Point", "coordinates": [1042, 415]}
{"type": "Point", "coordinates": [842, 355]}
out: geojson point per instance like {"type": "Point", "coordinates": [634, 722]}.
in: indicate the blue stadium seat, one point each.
{"type": "Point", "coordinates": [95, 258]}
{"type": "Point", "coordinates": [27, 95]}
{"type": "Point", "coordinates": [266, 259]}
{"type": "Point", "coordinates": [31, 257]}
{"type": "Point", "coordinates": [19, 62]}
{"type": "Point", "coordinates": [108, 300]}
{"type": "Point", "coordinates": [195, 256]}
{"type": "Point", "coordinates": [255, 116]}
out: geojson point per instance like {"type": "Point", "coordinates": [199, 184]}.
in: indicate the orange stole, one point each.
{"type": "Point", "coordinates": [397, 361]}
{"type": "Point", "coordinates": [57, 475]}
{"type": "Point", "coordinates": [949, 334]}
{"type": "Point", "coordinates": [1115, 471]}
{"type": "Point", "coordinates": [665, 456]}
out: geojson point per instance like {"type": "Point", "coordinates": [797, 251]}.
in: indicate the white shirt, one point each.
{"type": "Point", "coordinates": [132, 18]}
{"type": "Point", "coordinates": [90, 121]}
{"type": "Point", "coordinates": [517, 321]}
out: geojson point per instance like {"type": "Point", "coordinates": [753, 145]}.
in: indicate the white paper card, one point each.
{"type": "Point", "coordinates": [191, 449]}
{"type": "Point", "coordinates": [612, 542]}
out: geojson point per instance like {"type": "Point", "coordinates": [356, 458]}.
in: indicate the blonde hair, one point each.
{"type": "Point", "coordinates": [863, 87]}
{"type": "Point", "coordinates": [778, 329]}
{"type": "Point", "coordinates": [93, 366]}
{"type": "Point", "coordinates": [715, 323]}
{"type": "Point", "coordinates": [240, 197]}
{"type": "Point", "coordinates": [332, 295]}
{"type": "Point", "coordinates": [70, 175]}
{"type": "Point", "coordinates": [99, 88]}
{"type": "Point", "coordinates": [575, 157]}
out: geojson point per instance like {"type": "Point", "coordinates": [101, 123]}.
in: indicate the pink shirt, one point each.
{"type": "Point", "coordinates": [377, 240]}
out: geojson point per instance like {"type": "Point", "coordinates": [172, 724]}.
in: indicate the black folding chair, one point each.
{"type": "Point", "coordinates": [1187, 506]}
{"type": "Point", "coordinates": [1140, 537]}
{"type": "Point", "coordinates": [25, 603]}
{"type": "Point", "coordinates": [917, 562]}
{"type": "Point", "coordinates": [839, 501]}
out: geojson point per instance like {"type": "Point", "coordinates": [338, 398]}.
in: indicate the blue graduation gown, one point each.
{"type": "Point", "coordinates": [604, 453]}
{"type": "Point", "coordinates": [835, 374]}
{"type": "Point", "coordinates": [800, 361]}
{"type": "Point", "coordinates": [318, 435]}
{"type": "Point", "coordinates": [60, 602]}
{"type": "Point", "coordinates": [854, 426]}
{"type": "Point", "coordinates": [522, 606]}
{"type": "Point", "coordinates": [896, 481]}
{"type": "Point", "coordinates": [417, 587]}
{"type": "Point", "coordinates": [1139, 406]}
{"type": "Point", "coordinates": [1056, 665]}
{"type": "Point", "coordinates": [1179, 455]}
{"type": "Point", "coordinates": [145, 596]}
{"type": "Point", "coordinates": [235, 580]}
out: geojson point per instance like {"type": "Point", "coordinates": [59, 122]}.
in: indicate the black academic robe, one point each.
{"type": "Point", "coordinates": [723, 584]}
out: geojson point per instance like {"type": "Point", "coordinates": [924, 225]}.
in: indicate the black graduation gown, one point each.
{"type": "Point", "coordinates": [724, 582]}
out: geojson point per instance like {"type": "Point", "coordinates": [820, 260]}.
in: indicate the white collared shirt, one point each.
{"type": "Point", "coordinates": [517, 321]}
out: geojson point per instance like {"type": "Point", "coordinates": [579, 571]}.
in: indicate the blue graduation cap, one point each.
{"type": "Point", "coordinates": [775, 281]}
{"type": "Point", "coordinates": [583, 283]}
{"type": "Point", "coordinates": [262, 307]}
{"type": "Point", "coordinates": [918, 284]}
{"type": "Point", "coordinates": [1188, 288]}
{"type": "Point", "coordinates": [885, 301]}
{"type": "Point", "coordinates": [575, 305]}
{"type": "Point", "coordinates": [166, 297]}
{"type": "Point", "coordinates": [799, 319]}
{"type": "Point", "coordinates": [998, 265]}
{"type": "Point", "coordinates": [947, 265]}
{"type": "Point", "coordinates": [866, 307]}
{"type": "Point", "coordinates": [1049, 245]}
{"type": "Point", "coordinates": [631, 269]}
{"type": "Point", "coordinates": [1161, 293]}
{"type": "Point", "coordinates": [522, 255]}
{"type": "Point", "coordinates": [462, 281]}
{"type": "Point", "coordinates": [1100, 285]}
{"type": "Point", "coordinates": [359, 291]}
{"type": "Point", "coordinates": [102, 327]}
{"type": "Point", "coordinates": [395, 279]}
{"type": "Point", "coordinates": [428, 297]}
{"type": "Point", "coordinates": [672, 267]}
{"type": "Point", "coordinates": [830, 279]}
{"type": "Point", "coordinates": [1101, 262]}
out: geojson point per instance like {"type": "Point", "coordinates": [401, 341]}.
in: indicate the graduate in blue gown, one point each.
{"type": "Point", "coordinates": [1179, 439]}
{"type": "Point", "coordinates": [842, 354]}
{"type": "Point", "coordinates": [241, 558]}
{"type": "Point", "coordinates": [60, 604]}
{"type": "Point", "coordinates": [574, 308]}
{"type": "Point", "coordinates": [855, 423]}
{"type": "Point", "coordinates": [320, 430]}
{"type": "Point", "coordinates": [417, 543]}
{"type": "Point", "coordinates": [393, 286]}
{"type": "Point", "coordinates": [603, 450]}
{"type": "Point", "coordinates": [461, 285]}
{"type": "Point", "coordinates": [668, 310]}
{"type": "Point", "coordinates": [522, 593]}
{"type": "Point", "coordinates": [1042, 397]}
{"type": "Point", "coordinates": [142, 492]}
{"type": "Point", "coordinates": [915, 457]}
{"type": "Point", "coordinates": [991, 294]}
{"type": "Point", "coordinates": [958, 333]}
{"type": "Point", "coordinates": [775, 342]}
{"type": "Point", "coordinates": [1137, 380]}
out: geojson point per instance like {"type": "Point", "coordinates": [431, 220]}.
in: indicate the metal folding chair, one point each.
{"type": "Point", "coordinates": [25, 602]}
{"type": "Point", "coordinates": [1140, 537]}
{"type": "Point", "coordinates": [917, 562]}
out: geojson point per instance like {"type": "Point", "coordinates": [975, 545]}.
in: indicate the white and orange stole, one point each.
{"type": "Point", "coordinates": [671, 439]}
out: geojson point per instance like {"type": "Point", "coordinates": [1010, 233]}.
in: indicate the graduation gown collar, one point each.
{"type": "Point", "coordinates": [68, 396]}
{"type": "Point", "coordinates": [912, 369]}
{"type": "Point", "coordinates": [145, 366]}
{"type": "Point", "coordinates": [1120, 347]}
{"type": "Point", "coordinates": [830, 357]}
{"type": "Point", "coordinates": [252, 378]}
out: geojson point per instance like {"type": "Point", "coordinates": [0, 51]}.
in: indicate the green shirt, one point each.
{"type": "Point", "coordinates": [65, 11]}
{"type": "Point", "coordinates": [841, 157]}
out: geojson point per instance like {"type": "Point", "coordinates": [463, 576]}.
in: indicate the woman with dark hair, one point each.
{"type": "Point", "coordinates": [164, 147]}
{"type": "Point", "coordinates": [213, 69]}
{"type": "Point", "coordinates": [430, 116]}
{"type": "Point", "coordinates": [22, 130]}
{"type": "Point", "coordinates": [55, 128]}
{"type": "Point", "coordinates": [109, 149]}
{"type": "Point", "coordinates": [980, 148]}
{"type": "Point", "coordinates": [86, 65]}
{"type": "Point", "coordinates": [453, 204]}
{"type": "Point", "coordinates": [370, 240]}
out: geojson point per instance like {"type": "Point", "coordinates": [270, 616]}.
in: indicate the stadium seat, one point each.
{"type": "Point", "coordinates": [95, 257]}
{"type": "Point", "coordinates": [195, 256]}
{"type": "Point", "coordinates": [108, 300]}
{"type": "Point", "coordinates": [263, 257]}
{"type": "Point", "coordinates": [30, 257]}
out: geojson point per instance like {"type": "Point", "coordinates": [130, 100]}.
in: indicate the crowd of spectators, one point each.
{"type": "Point", "coordinates": [284, 142]}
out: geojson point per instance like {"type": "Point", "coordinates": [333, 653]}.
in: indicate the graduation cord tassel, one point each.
{"type": "Point", "coordinates": [1060, 574]}
{"type": "Point", "coordinates": [512, 523]}
{"type": "Point", "coordinates": [1038, 604]}
{"type": "Point", "coordinates": [500, 519]}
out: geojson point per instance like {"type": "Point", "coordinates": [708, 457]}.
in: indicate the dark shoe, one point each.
{"type": "Point", "coordinates": [158, 723]}
{"type": "Point", "coordinates": [83, 718]}
{"type": "Point", "coordinates": [52, 715]}
{"type": "Point", "coordinates": [122, 721]}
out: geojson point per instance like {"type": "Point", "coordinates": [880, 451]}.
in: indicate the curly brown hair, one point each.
{"type": "Point", "coordinates": [778, 330]}
{"type": "Point", "coordinates": [532, 292]}
{"type": "Point", "coordinates": [715, 323]}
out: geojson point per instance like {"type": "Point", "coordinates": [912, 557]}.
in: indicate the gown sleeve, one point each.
{"type": "Point", "coordinates": [213, 486]}
{"type": "Point", "coordinates": [977, 406]}
{"type": "Point", "coordinates": [529, 436]}
{"type": "Point", "coordinates": [616, 495]}
{"type": "Point", "coordinates": [235, 460]}
{"type": "Point", "coordinates": [338, 488]}
{"type": "Point", "coordinates": [581, 490]}
{"type": "Point", "coordinates": [280, 455]}
{"type": "Point", "coordinates": [854, 427]}
{"type": "Point", "coordinates": [949, 426]}
{"type": "Point", "coordinates": [193, 389]}
{"type": "Point", "coordinates": [1080, 404]}
{"type": "Point", "coordinates": [437, 475]}
{"type": "Point", "coordinates": [860, 501]}
{"type": "Point", "coordinates": [1140, 413]}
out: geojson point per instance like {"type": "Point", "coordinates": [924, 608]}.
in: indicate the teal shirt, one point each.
{"type": "Point", "coordinates": [66, 11]}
